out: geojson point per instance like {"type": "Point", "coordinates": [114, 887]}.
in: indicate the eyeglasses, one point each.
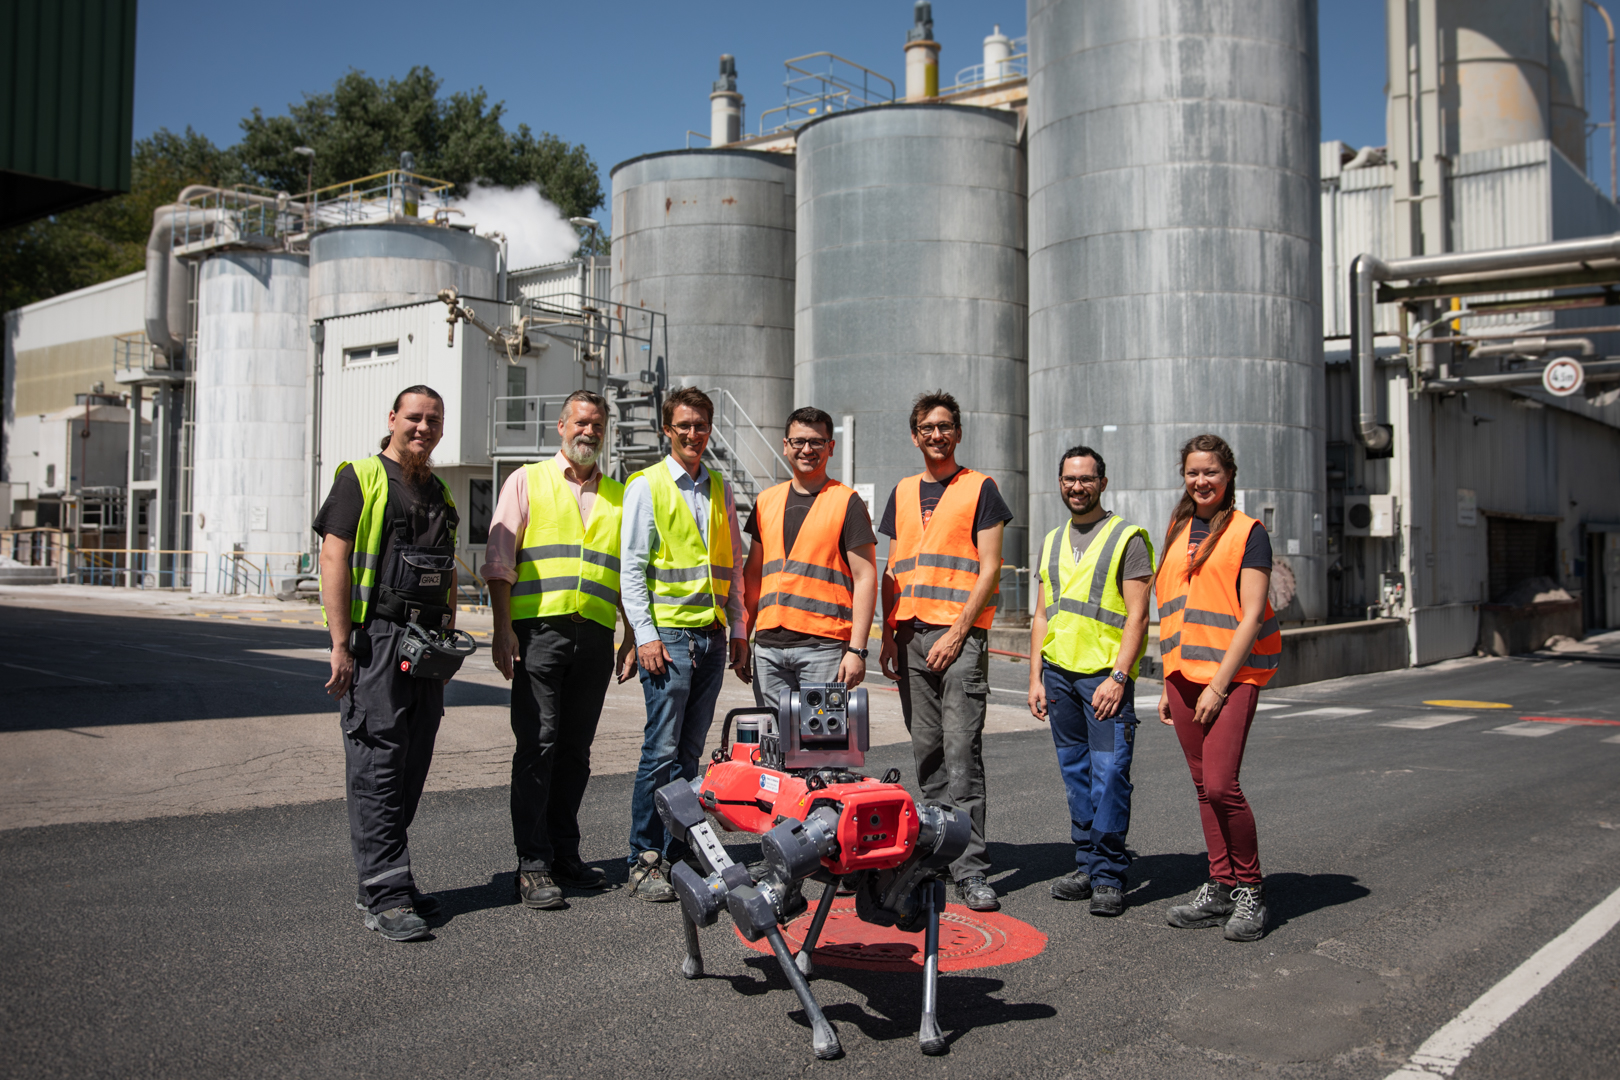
{"type": "Point", "coordinates": [1079, 481]}
{"type": "Point", "coordinates": [927, 430]}
{"type": "Point", "coordinates": [808, 444]}
{"type": "Point", "coordinates": [692, 429]}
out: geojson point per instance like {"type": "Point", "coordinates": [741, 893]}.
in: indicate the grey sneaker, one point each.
{"type": "Point", "coordinates": [1075, 885]}
{"type": "Point", "coordinates": [1248, 921]}
{"type": "Point", "coordinates": [1107, 901]}
{"type": "Point", "coordinates": [536, 889]}
{"type": "Point", "coordinates": [976, 893]}
{"type": "Point", "coordinates": [398, 924]}
{"type": "Point", "coordinates": [649, 879]}
{"type": "Point", "coordinates": [1210, 907]}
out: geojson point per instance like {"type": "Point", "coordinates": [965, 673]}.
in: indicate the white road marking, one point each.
{"type": "Point", "coordinates": [1613, 739]}
{"type": "Point", "coordinates": [1446, 1049]}
{"type": "Point", "coordinates": [1326, 714]}
{"type": "Point", "coordinates": [1530, 730]}
{"type": "Point", "coordinates": [1424, 723]}
{"type": "Point", "coordinates": [1266, 706]}
{"type": "Point", "coordinates": [55, 674]}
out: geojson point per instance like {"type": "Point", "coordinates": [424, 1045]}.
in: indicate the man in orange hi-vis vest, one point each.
{"type": "Point", "coordinates": [939, 597]}
{"type": "Point", "coordinates": [810, 585]}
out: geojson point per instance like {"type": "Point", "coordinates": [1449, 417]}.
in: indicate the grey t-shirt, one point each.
{"type": "Point", "coordinates": [1137, 563]}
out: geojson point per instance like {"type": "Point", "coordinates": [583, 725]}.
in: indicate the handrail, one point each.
{"type": "Point", "coordinates": [835, 93]}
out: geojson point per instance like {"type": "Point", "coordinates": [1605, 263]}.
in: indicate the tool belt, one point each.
{"type": "Point", "coordinates": [433, 654]}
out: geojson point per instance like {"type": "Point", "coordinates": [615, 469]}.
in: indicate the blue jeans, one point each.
{"type": "Point", "coordinates": [680, 708]}
{"type": "Point", "coordinates": [1095, 760]}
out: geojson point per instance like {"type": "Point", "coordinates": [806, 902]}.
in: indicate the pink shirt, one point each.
{"type": "Point", "coordinates": [511, 518]}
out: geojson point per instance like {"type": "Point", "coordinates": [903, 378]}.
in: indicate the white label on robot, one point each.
{"type": "Point", "coordinates": [431, 579]}
{"type": "Point", "coordinates": [769, 782]}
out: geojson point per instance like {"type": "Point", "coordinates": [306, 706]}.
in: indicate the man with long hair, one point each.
{"type": "Point", "coordinates": [388, 541]}
{"type": "Point", "coordinates": [552, 564]}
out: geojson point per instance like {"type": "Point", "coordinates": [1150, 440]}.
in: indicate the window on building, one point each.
{"type": "Point", "coordinates": [371, 354]}
{"type": "Point", "coordinates": [1519, 550]}
{"type": "Point", "coordinates": [480, 509]}
{"type": "Point", "coordinates": [517, 387]}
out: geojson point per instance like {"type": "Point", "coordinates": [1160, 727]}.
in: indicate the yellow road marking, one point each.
{"type": "Point", "coordinates": [1450, 703]}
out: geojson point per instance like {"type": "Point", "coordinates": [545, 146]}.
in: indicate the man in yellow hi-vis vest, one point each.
{"type": "Point", "coordinates": [552, 565]}
{"type": "Point", "coordinates": [388, 544]}
{"type": "Point", "coordinates": [1086, 645]}
{"type": "Point", "coordinates": [681, 575]}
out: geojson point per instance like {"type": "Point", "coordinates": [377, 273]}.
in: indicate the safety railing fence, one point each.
{"type": "Point", "coordinates": [521, 424]}
{"type": "Point", "coordinates": [256, 573]}
{"type": "Point", "coordinates": [36, 547]}
{"type": "Point", "coordinates": [468, 580]}
{"type": "Point", "coordinates": [395, 193]}
{"type": "Point", "coordinates": [246, 216]}
{"type": "Point", "coordinates": [141, 568]}
{"type": "Point", "coordinates": [821, 83]}
{"type": "Point", "coordinates": [740, 450]}
{"type": "Point", "coordinates": [1015, 66]}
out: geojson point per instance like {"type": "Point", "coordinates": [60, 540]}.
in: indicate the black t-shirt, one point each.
{"type": "Point", "coordinates": [428, 519]}
{"type": "Point", "coordinates": [857, 531]}
{"type": "Point", "coordinates": [1256, 550]}
{"type": "Point", "coordinates": [991, 510]}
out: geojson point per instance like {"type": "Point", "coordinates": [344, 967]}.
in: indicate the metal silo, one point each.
{"type": "Point", "coordinates": [365, 267]}
{"type": "Point", "coordinates": [911, 277]}
{"type": "Point", "coordinates": [706, 236]}
{"type": "Point", "coordinates": [249, 471]}
{"type": "Point", "coordinates": [1175, 255]}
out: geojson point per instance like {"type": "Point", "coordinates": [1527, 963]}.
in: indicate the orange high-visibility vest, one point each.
{"type": "Point", "coordinates": [810, 589]}
{"type": "Point", "coordinates": [1199, 615]}
{"type": "Point", "coordinates": [937, 566]}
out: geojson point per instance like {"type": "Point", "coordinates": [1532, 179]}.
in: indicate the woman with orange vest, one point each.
{"type": "Point", "coordinates": [810, 584]}
{"type": "Point", "coordinates": [1219, 644]}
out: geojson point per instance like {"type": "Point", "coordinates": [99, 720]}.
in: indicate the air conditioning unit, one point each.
{"type": "Point", "coordinates": [1369, 515]}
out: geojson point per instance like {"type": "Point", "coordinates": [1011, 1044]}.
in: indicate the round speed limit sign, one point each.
{"type": "Point", "coordinates": [1563, 376]}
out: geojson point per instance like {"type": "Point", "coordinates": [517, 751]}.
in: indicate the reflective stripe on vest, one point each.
{"type": "Point", "coordinates": [1198, 615]}
{"type": "Point", "coordinates": [813, 592]}
{"type": "Point", "coordinates": [366, 558]}
{"type": "Point", "coordinates": [688, 579]}
{"type": "Point", "coordinates": [566, 566]}
{"type": "Point", "coordinates": [1085, 612]}
{"type": "Point", "coordinates": [937, 565]}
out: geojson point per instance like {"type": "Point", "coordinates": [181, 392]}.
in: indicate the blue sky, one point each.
{"type": "Point", "coordinates": [629, 77]}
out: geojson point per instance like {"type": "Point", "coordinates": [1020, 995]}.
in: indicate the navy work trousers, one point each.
{"type": "Point", "coordinates": [1094, 757]}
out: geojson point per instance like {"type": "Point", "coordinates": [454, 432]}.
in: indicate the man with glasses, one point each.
{"type": "Point", "coordinates": [681, 560]}
{"type": "Point", "coordinates": [1090, 631]}
{"type": "Point", "coordinates": [810, 585]}
{"type": "Point", "coordinates": [552, 564]}
{"type": "Point", "coordinates": [939, 595]}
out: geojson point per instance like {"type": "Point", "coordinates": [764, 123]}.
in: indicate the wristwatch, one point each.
{"type": "Point", "coordinates": [858, 652]}
{"type": "Point", "coordinates": [1119, 677]}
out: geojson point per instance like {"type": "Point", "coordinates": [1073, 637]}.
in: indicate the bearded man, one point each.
{"type": "Point", "coordinates": [552, 566]}
{"type": "Point", "coordinates": [388, 548]}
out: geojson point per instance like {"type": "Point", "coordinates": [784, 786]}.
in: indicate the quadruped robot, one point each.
{"type": "Point", "coordinates": [788, 778]}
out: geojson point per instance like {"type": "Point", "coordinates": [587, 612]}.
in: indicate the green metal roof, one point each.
{"type": "Point", "coordinates": [67, 104]}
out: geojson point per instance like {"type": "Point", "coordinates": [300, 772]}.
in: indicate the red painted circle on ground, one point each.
{"type": "Point", "coordinates": [967, 940]}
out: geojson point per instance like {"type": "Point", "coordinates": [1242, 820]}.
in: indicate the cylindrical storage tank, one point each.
{"type": "Point", "coordinates": [1174, 266]}
{"type": "Point", "coordinates": [1496, 58]}
{"type": "Point", "coordinates": [912, 278]}
{"type": "Point", "coordinates": [364, 267]}
{"type": "Point", "coordinates": [248, 466]}
{"type": "Point", "coordinates": [706, 237]}
{"type": "Point", "coordinates": [1566, 72]}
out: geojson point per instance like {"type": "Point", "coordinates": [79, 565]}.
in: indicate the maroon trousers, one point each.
{"type": "Point", "coordinates": [1215, 755]}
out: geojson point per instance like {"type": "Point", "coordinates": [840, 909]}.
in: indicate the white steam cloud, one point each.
{"type": "Point", "coordinates": [536, 232]}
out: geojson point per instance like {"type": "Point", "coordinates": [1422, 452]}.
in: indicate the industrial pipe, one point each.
{"type": "Point", "coordinates": [1536, 346]}
{"type": "Point", "coordinates": [1365, 272]}
{"type": "Point", "coordinates": [1603, 371]}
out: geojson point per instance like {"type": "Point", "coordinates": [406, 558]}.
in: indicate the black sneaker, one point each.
{"type": "Point", "coordinates": [425, 904]}
{"type": "Point", "coordinates": [576, 875]}
{"type": "Point", "coordinates": [398, 924]}
{"type": "Point", "coordinates": [1075, 885]}
{"type": "Point", "coordinates": [649, 879]}
{"type": "Point", "coordinates": [1211, 906]}
{"type": "Point", "coordinates": [1107, 901]}
{"type": "Point", "coordinates": [1248, 921]}
{"type": "Point", "coordinates": [536, 889]}
{"type": "Point", "coordinates": [976, 894]}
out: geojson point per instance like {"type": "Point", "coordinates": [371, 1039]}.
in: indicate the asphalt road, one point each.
{"type": "Point", "coordinates": [1408, 870]}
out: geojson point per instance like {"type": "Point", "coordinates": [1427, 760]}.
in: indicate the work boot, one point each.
{"type": "Point", "coordinates": [537, 890]}
{"type": "Point", "coordinates": [1075, 885]}
{"type": "Point", "coordinates": [576, 875]}
{"type": "Point", "coordinates": [976, 894]}
{"type": "Point", "coordinates": [1210, 907]}
{"type": "Point", "coordinates": [425, 904]}
{"type": "Point", "coordinates": [649, 879]}
{"type": "Point", "coordinates": [1248, 921]}
{"type": "Point", "coordinates": [398, 924]}
{"type": "Point", "coordinates": [1107, 901]}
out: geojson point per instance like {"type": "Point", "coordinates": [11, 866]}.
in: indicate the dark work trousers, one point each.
{"type": "Point", "coordinates": [390, 721]}
{"type": "Point", "coordinates": [1094, 757]}
{"type": "Point", "coordinates": [558, 686]}
{"type": "Point", "coordinates": [944, 712]}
